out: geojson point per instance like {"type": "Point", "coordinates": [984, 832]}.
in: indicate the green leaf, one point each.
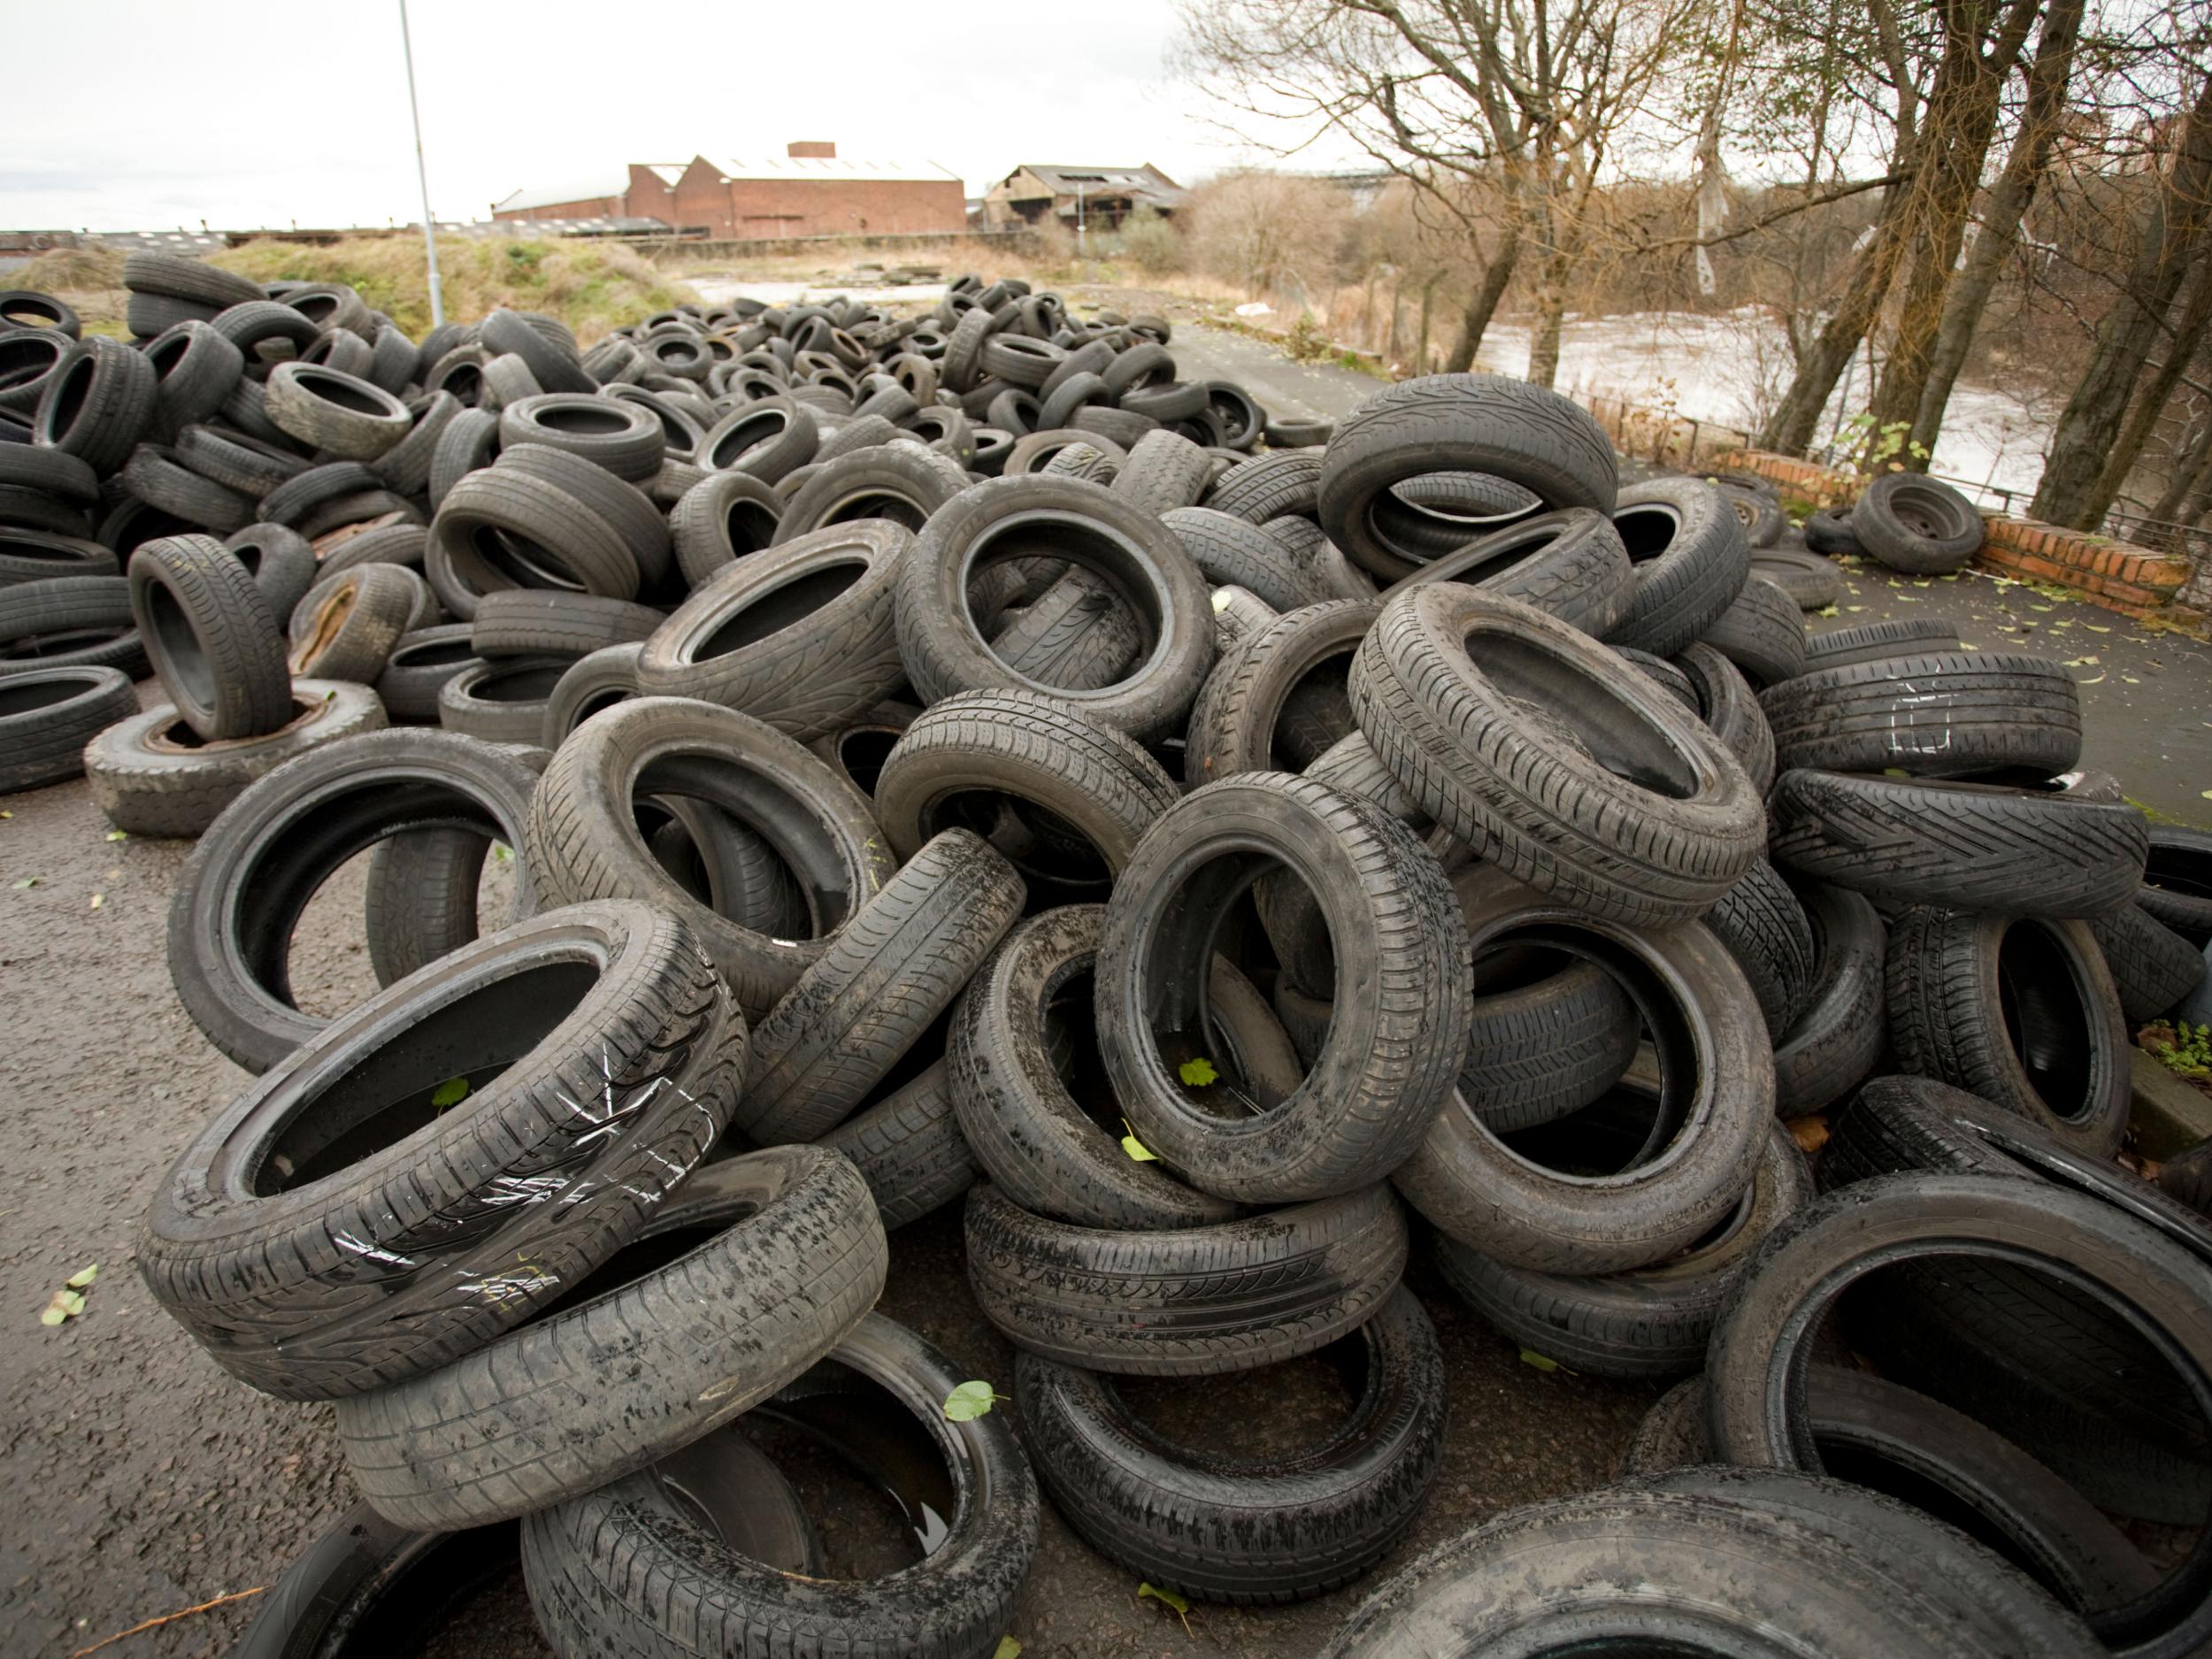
{"type": "Point", "coordinates": [1007, 1648]}
{"type": "Point", "coordinates": [28, 882]}
{"type": "Point", "coordinates": [83, 1280]}
{"type": "Point", "coordinates": [452, 1092]}
{"type": "Point", "coordinates": [98, 899]}
{"type": "Point", "coordinates": [1136, 1149]}
{"type": "Point", "coordinates": [119, 835]}
{"type": "Point", "coordinates": [1825, 610]}
{"type": "Point", "coordinates": [503, 852]}
{"type": "Point", "coordinates": [1543, 1361]}
{"type": "Point", "coordinates": [968, 1400]}
{"type": "Point", "coordinates": [52, 1315]}
{"type": "Point", "coordinates": [1169, 1599]}
{"type": "Point", "coordinates": [1197, 1073]}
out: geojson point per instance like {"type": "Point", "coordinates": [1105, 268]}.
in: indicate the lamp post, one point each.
{"type": "Point", "coordinates": [422, 175]}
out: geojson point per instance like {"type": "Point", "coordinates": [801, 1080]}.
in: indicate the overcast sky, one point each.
{"type": "Point", "coordinates": [246, 113]}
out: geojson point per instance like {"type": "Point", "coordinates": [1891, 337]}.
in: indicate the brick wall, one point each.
{"type": "Point", "coordinates": [748, 208]}
{"type": "Point", "coordinates": [2116, 574]}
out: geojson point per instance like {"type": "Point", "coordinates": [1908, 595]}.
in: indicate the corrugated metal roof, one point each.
{"type": "Point", "coordinates": [598, 186]}
{"type": "Point", "coordinates": [837, 169]}
{"type": "Point", "coordinates": [1062, 178]}
{"type": "Point", "coordinates": [667, 172]}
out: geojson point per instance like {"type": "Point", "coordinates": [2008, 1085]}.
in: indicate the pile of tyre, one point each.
{"type": "Point", "coordinates": [1220, 871]}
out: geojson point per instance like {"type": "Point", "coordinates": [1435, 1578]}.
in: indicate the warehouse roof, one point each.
{"type": "Point", "coordinates": [836, 169]}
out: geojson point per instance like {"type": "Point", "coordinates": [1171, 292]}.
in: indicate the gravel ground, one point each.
{"type": "Point", "coordinates": [141, 1480]}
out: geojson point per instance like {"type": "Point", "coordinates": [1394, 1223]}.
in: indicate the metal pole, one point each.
{"type": "Point", "coordinates": [422, 175]}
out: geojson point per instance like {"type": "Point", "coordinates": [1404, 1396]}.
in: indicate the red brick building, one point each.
{"type": "Point", "coordinates": [807, 191]}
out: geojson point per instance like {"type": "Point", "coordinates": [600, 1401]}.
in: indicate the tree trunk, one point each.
{"type": "Point", "coordinates": [1428, 297]}
{"type": "Point", "coordinates": [1482, 304]}
{"type": "Point", "coordinates": [1954, 136]}
{"type": "Point", "coordinates": [2150, 402]}
{"type": "Point", "coordinates": [2192, 476]}
{"type": "Point", "coordinates": [2173, 231]}
{"type": "Point", "coordinates": [1551, 316]}
{"type": "Point", "coordinates": [2008, 202]}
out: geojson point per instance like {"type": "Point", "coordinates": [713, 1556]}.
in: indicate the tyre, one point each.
{"type": "Point", "coordinates": [35, 556]}
{"type": "Point", "coordinates": [1840, 1037]}
{"type": "Point", "coordinates": [1064, 797]}
{"type": "Point", "coordinates": [1936, 715]}
{"type": "Point", "coordinates": [1762, 633]}
{"type": "Point", "coordinates": [291, 501]}
{"type": "Point", "coordinates": [1647, 1322]}
{"type": "Point", "coordinates": [582, 841]}
{"type": "Point", "coordinates": [1877, 642]}
{"type": "Point", "coordinates": [1243, 1294]}
{"type": "Point", "coordinates": [340, 414]}
{"type": "Point", "coordinates": [197, 366]}
{"type": "Point", "coordinates": [629, 1569]}
{"type": "Point", "coordinates": [1525, 435]}
{"type": "Point", "coordinates": [213, 638]}
{"type": "Point", "coordinates": [1731, 711]}
{"type": "Point", "coordinates": [1966, 846]}
{"type": "Point", "coordinates": [1077, 635]}
{"type": "Point", "coordinates": [768, 439]}
{"type": "Point", "coordinates": [628, 511]}
{"type": "Point", "coordinates": [1232, 553]}
{"type": "Point", "coordinates": [181, 277]}
{"type": "Point", "coordinates": [1248, 1532]}
{"type": "Point", "coordinates": [944, 651]}
{"type": "Point", "coordinates": [1614, 1565]}
{"type": "Point", "coordinates": [154, 476]}
{"type": "Point", "coordinates": [722, 519]}
{"type": "Point", "coordinates": [1809, 579]}
{"type": "Point", "coordinates": [1570, 564]}
{"type": "Point", "coordinates": [1757, 510]}
{"type": "Point", "coordinates": [242, 892]}
{"type": "Point", "coordinates": [909, 1149]}
{"type": "Point", "coordinates": [1690, 558]}
{"type": "Point", "coordinates": [550, 355]}
{"type": "Point", "coordinates": [624, 438]}
{"type": "Point", "coordinates": [801, 637]}
{"type": "Point", "coordinates": [2019, 1010]}
{"type": "Point", "coordinates": [1829, 532]}
{"type": "Point", "coordinates": [2153, 967]}
{"type": "Point", "coordinates": [70, 622]}
{"type": "Point", "coordinates": [347, 626]}
{"type": "Point", "coordinates": [469, 443]}
{"type": "Point", "coordinates": [97, 401]}
{"type": "Point", "coordinates": [1540, 1199]}
{"type": "Point", "coordinates": [1268, 487]}
{"type": "Point", "coordinates": [898, 481]}
{"type": "Point", "coordinates": [506, 700]}
{"type": "Point", "coordinates": [785, 1258]}
{"type": "Point", "coordinates": [417, 669]}
{"type": "Point", "coordinates": [405, 467]}
{"type": "Point", "coordinates": [47, 717]}
{"type": "Point", "coordinates": [1238, 614]}
{"type": "Point", "coordinates": [891, 972]}
{"type": "Point", "coordinates": [1391, 1057]}
{"type": "Point", "coordinates": [281, 562]}
{"type": "Point", "coordinates": [1914, 524]}
{"type": "Point", "coordinates": [1031, 1099]}
{"type": "Point", "coordinates": [534, 622]}
{"type": "Point", "coordinates": [1463, 697]}
{"type": "Point", "coordinates": [1765, 929]}
{"type": "Point", "coordinates": [1278, 702]}
{"type": "Point", "coordinates": [240, 464]}
{"type": "Point", "coordinates": [295, 1253]}
{"type": "Point", "coordinates": [152, 775]}
{"type": "Point", "coordinates": [1164, 473]}
{"type": "Point", "coordinates": [2177, 882]}
{"type": "Point", "coordinates": [504, 528]}
{"type": "Point", "coordinates": [593, 682]}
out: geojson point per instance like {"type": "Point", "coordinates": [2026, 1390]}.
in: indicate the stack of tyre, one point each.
{"type": "Point", "coordinates": [1194, 858]}
{"type": "Point", "coordinates": [1911, 523]}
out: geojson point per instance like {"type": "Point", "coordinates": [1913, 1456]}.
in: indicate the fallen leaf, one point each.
{"type": "Point", "coordinates": [968, 1400]}
{"type": "Point", "coordinates": [82, 1280]}
{"type": "Point", "coordinates": [1197, 1073]}
{"type": "Point", "coordinates": [1181, 1607]}
{"type": "Point", "coordinates": [1543, 1361]}
{"type": "Point", "coordinates": [98, 899]}
{"type": "Point", "coordinates": [1007, 1648]}
{"type": "Point", "coordinates": [452, 1092]}
{"type": "Point", "coordinates": [119, 835]}
{"type": "Point", "coordinates": [1137, 1149]}
{"type": "Point", "coordinates": [2093, 680]}
{"type": "Point", "coordinates": [28, 882]}
{"type": "Point", "coordinates": [1811, 1133]}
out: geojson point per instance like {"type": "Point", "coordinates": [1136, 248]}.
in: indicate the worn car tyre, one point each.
{"type": "Point", "coordinates": [909, 1149]}
{"type": "Point", "coordinates": [211, 636]}
{"type": "Point", "coordinates": [1840, 1037]}
{"type": "Point", "coordinates": [1914, 524]}
{"type": "Point", "coordinates": [70, 622]}
{"type": "Point", "coordinates": [1570, 563]}
{"type": "Point", "coordinates": [47, 717]}
{"type": "Point", "coordinates": [1932, 715]}
{"type": "Point", "coordinates": [341, 414]}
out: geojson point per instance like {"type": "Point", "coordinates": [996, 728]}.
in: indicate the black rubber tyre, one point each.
{"type": "Point", "coordinates": [1877, 643]}
{"type": "Point", "coordinates": [1164, 473]}
{"type": "Point", "coordinates": [281, 562]}
{"type": "Point", "coordinates": [1251, 1533]}
{"type": "Point", "coordinates": [593, 682]}
{"type": "Point", "coordinates": [2141, 1279]}
{"type": "Point", "coordinates": [1063, 796]}
{"type": "Point", "coordinates": [1914, 524]}
{"type": "Point", "coordinates": [24, 466]}
{"type": "Point", "coordinates": [582, 839]}
{"type": "Point", "coordinates": [290, 502]}
{"type": "Point", "coordinates": [535, 622]}
{"type": "Point", "coordinates": [1234, 553]}
{"type": "Point", "coordinates": [1760, 515]}
{"type": "Point", "coordinates": [627, 1569]}
{"type": "Point", "coordinates": [1269, 487]}
{"type": "Point", "coordinates": [1525, 434]}
{"type": "Point", "coordinates": [211, 637]}
{"type": "Point", "coordinates": [197, 366]}
{"type": "Point", "coordinates": [469, 441]}
{"type": "Point", "coordinates": [1570, 563]}
{"type": "Point", "coordinates": [1731, 711]}
{"type": "Point", "coordinates": [96, 404]}
{"type": "Point", "coordinates": [1935, 715]}
{"type": "Point", "coordinates": [2177, 882]}
{"type": "Point", "coordinates": [2153, 967]}
{"type": "Point", "coordinates": [242, 892]}
{"type": "Point", "coordinates": [801, 636]}
{"type": "Point", "coordinates": [786, 1257]}
{"type": "Point", "coordinates": [1277, 703]}
{"type": "Point", "coordinates": [1809, 579]}
{"type": "Point", "coordinates": [548, 351]}
{"type": "Point", "coordinates": [1490, 711]}
{"type": "Point", "coordinates": [1840, 1037]}
{"type": "Point", "coordinates": [297, 1252]}
{"type": "Point", "coordinates": [1829, 532]}
{"type": "Point", "coordinates": [1765, 929]}
{"type": "Point", "coordinates": [1762, 633]}
{"type": "Point", "coordinates": [2019, 1010]}
{"type": "Point", "coordinates": [154, 476]}
{"type": "Point", "coordinates": [152, 776]}
{"type": "Point", "coordinates": [1690, 561]}
{"type": "Point", "coordinates": [506, 700]}
{"type": "Point", "coordinates": [1238, 614]}
{"type": "Point", "coordinates": [502, 527]}
{"type": "Point", "coordinates": [245, 465]}
{"type": "Point", "coordinates": [70, 622]}
{"type": "Point", "coordinates": [1078, 635]}
{"type": "Point", "coordinates": [724, 518]}
{"type": "Point", "coordinates": [909, 1149]}
{"type": "Point", "coordinates": [1648, 1322]}
{"type": "Point", "coordinates": [37, 556]}
{"type": "Point", "coordinates": [945, 650]}
{"type": "Point", "coordinates": [1189, 1302]}
{"type": "Point", "coordinates": [180, 276]}
{"type": "Point", "coordinates": [624, 438]}
{"type": "Point", "coordinates": [899, 482]}
{"type": "Point", "coordinates": [885, 979]}
{"type": "Point", "coordinates": [405, 467]}
{"type": "Point", "coordinates": [1528, 1200]}
{"type": "Point", "coordinates": [768, 438]}
{"type": "Point", "coordinates": [47, 717]}
{"type": "Point", "coordinates": [348, 624]}
{"type": "Point", "coordinates": [1031, 1101]}
{"type": "Point", "coordinates": [623, 506]}
{"type": "Point", "coordinates": [417, 669]}
{"type": "Point", "coordinates": [27, 308]}
{"type": "Point", "coordinates": [340, 414]}
{"type": "Point", "coordinates": [1392, 1056]}
{"type": "Point", "coordinates": [1968, 846]}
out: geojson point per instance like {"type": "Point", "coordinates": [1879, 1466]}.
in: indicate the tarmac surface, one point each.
{"type": "Point", "coordinates": [141, 1480]}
